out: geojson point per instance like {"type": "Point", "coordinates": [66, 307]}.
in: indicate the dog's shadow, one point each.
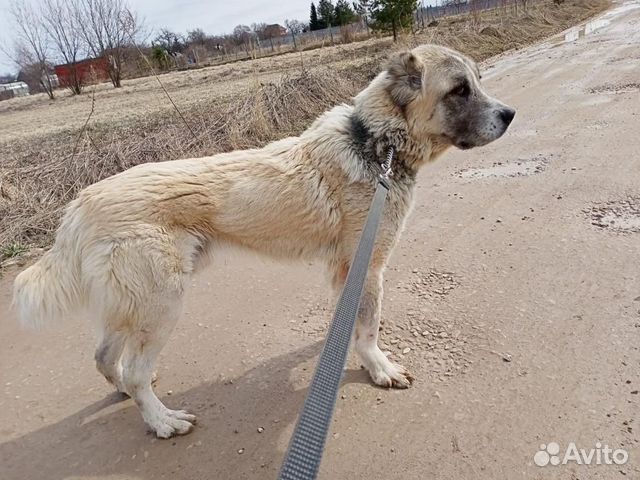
{"type": "Point", "coordinates": [243, 429]}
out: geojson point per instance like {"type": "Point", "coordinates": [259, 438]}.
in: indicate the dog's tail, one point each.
{"type": "Point", "coordinates": [49, 290]}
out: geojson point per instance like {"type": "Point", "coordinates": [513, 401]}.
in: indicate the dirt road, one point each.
{"type": "Point", "coordinates": [515, 286]}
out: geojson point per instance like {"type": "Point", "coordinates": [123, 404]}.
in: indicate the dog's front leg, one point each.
{"type": "Point", "coordinates": [382, 371]}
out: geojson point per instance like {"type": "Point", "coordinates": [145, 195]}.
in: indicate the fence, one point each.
{"type": "Point", "coordinates": [340, 34]}
{"type": "Point", "coordinates": [426, 13]}
{"type": "Point", "coordinates": [253, 47]}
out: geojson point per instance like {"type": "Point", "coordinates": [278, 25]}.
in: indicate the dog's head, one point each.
{"type": "Point", "coordinates": [440, 94]}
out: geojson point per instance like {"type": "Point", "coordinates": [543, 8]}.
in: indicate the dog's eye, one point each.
{"type": "Point", "coordinates": [462, 90]}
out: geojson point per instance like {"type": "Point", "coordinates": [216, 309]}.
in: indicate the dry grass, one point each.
{"type": "Point", "coordinates": [227, 107]}
{"type": "Point", "coordinates": [39, 180]}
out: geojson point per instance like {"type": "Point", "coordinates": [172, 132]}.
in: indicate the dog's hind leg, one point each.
{"type": "Point", "coordinates": [143, 345]}
{"type": "Point", "coordinates": [383, 372]}
{"type": "Point", "coordinates": [141, 295]}
{"type": "Point", "coordinates": [108, 356]}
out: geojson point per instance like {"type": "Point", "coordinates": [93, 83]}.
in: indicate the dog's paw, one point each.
{"type": "Point", "coordinates": [391, 375]}
{"type": "Point", "coordinates": [171, 422]}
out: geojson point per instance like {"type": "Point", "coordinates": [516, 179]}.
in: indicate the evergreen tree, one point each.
{"type": "Point", "coordinates": [326, 13]}
{"type": "Point", "coordinates": [314, 23]}
{"type": "Point", "coordinates": [392, 15]}
{"type": "Point", "coordinates": [343, 13]}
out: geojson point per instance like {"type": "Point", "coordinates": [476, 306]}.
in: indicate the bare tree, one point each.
{"type": "Point", "coordinates": [361, 7]}
{"type": "Point", "coordinates": [196, 41]}
{"type": "Point", "coordinates": [259, 29]}
{"type": "Point", "coordinates": [31, 52]}
{"type": "Point", "coordinates": [31, 72]}
{"type": "Point", "coordinates": [107, 27]}
{"type": "Point", "coordinates": [172, 42]}
{"type": "Point", "coordinates": [243, 37]}
{"type": "Point", "coordinates": [295, 27]}
{"type": "Point", "coordinates": [61, 22]}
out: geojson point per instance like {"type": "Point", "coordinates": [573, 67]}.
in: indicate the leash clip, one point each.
{"type": "Point", "coordinates": [386, 168]}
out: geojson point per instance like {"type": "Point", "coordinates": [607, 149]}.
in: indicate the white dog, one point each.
{"type": "Point", "coordinates": [128, 244]}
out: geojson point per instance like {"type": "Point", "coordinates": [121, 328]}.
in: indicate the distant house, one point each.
{"type": "Point", "coordinates": [13, 89]}
{"type": "Point", "coordinates": [91, 70]}
{"type": "Point", "coordinates": [274, 31]}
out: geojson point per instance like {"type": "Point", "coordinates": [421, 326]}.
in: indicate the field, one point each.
{"type": "Point", "coordinates": [52, 149]}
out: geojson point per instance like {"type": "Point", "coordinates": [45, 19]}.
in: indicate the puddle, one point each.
{"type": "Point", "coordinates": [517, 168]}
{"type": "Point", "coordinates": [582, 31]}
{"type": "Point", "coordinates": [590, 27]}
{"type": "Point", "coordinates": [572, 35]}
{"type": "Point", "coordinates": [619, 216]}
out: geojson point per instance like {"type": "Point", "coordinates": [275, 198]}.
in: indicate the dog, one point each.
{"type": "Point", "coordinates": [127, 245]}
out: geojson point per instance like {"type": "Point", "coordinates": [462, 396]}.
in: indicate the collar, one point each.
{"type": "Point", "coordinates": [373, 149]}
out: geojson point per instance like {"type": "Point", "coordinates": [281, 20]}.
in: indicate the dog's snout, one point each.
{"type": "Point", "coordinates": [507, 114]}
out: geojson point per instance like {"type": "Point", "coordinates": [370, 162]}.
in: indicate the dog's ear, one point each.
{"type": "Point", "coordinates": [405, 72]}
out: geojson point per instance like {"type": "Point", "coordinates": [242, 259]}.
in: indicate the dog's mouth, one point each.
{"type": "Point", "coordinates": [463, 145]}
{"type": "Point", "coordinates": [465, 142]}
{"type": "Point", "coordinates": [458, 143]}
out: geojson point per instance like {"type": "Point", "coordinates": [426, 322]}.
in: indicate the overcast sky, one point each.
{"type": "Point", "coordinates": [213, 16]}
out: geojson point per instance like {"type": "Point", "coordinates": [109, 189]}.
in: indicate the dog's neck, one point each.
{"type": "Point", "coordinates": [373, 135]}
{"type": "Point", "coordinates": [372, 145]}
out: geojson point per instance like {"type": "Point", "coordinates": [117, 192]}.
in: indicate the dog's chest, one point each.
{"type": "Point", "coordinates": [399, 205]}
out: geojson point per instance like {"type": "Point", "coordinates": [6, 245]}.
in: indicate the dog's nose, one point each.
{"type": "Point", "coordinates": [507, 114]}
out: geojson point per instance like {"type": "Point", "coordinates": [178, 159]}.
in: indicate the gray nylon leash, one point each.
{"type": "Point", "coordinates": [303, 457]}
